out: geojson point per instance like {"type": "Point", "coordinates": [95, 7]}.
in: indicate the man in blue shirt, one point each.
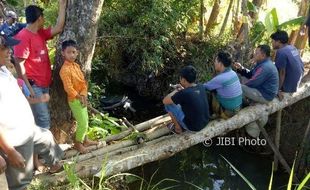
{"type": "Point", "coordinates": [262, 85]}
{"type": "Point", "coordinates": [11, 27]}
{"type": "Point", "coordinates": [263, 80]}
{"type": "Point", "coordinates": [228, 98]}
{"type": "Point", "coordinates": [288, 63]}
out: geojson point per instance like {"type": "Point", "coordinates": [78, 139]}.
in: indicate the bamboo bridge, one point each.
{"type": "Point", "coordinates": [115, 155]}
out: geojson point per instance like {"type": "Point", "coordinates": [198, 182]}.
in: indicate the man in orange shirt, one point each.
{"type": "Point", "coordinates": [76, 89]}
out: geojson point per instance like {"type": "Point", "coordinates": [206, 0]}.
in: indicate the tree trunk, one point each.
{"type": "Point", "coordinates": [81, 25]}
{"type": "Point", "coordinates": [226, 17]}
{"type": "Point", "coordinates": [301, 40]}
{"type": "Point", "coordinates": [202, 11]}
{"type": "Point", "coordinates": [258, 4]}
{"type": "Point", "coordinates": [213, 16]}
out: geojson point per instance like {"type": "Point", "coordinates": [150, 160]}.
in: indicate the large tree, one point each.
{"type": "Point", "coordinates": [81, 25]}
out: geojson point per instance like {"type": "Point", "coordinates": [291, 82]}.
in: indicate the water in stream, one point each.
{"type": "Point", "coordinates": [205, 168]}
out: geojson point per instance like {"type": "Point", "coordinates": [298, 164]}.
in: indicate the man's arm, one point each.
{"type": "Point", "coordinates": [61, 18]}
{"type": "Point", "coordinates": [242, 70]}
{"type": "Point", "coordinates": [257, 79]}
{"type": "Point", "coordinates": [21, 71]}
{"type": "Point", "coordinates": [167, 100]}
{"type": "Point", "coordinates": [281, 78]}
{"type": "Point", "coordinates": [2, 165]}
{"type": "Point", "coordinates": [15, 158]}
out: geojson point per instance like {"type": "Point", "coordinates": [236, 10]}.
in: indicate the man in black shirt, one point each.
{"type": "Point", "coordinates": [188, 105]}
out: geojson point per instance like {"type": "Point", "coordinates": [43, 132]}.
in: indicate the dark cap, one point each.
{"type": "Point", "coordinates": [7, 41]}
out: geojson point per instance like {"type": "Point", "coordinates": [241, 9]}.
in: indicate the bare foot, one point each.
{"type": "Point", "coordinates": [56, 168]}
{"type": "Point", "coordinates": [178, 130]}
{"type": "Point", "coordinates": [38, 164]}
{"type": "Point", "coordinates": [80, 147]}
{"type": "Point", "coordinates": [88, 142]}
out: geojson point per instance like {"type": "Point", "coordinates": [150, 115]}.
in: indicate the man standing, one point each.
{"type": "Point", "coordinates": [32, 61]}
{"type": "Point", "coordinates": [262, 84]}
{"type": "Point", "coordinates": [288, 63]}
{"type": "Point", "coordinates": [20, 138]}
{"type": "Point", "coordinates": [187, 105]}
{"type": "Point", "coordinates": [11, 27]}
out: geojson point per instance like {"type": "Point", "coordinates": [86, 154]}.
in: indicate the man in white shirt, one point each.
{"type": "Point", "coordinates": [20, 138]}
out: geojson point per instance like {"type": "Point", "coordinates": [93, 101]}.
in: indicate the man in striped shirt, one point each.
{"type": "Point", "coordinates": [226, 84]}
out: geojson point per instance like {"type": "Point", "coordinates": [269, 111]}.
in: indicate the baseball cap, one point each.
{"type": "Point", "coordinates": [7, 41]}
{"type": "Point", "coordinates": [11, 14]}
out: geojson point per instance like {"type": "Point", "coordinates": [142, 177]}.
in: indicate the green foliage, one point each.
{"type": "Point", "coordinates": [251, 7]}
{"type": "Point", "coordinates": [271, 21]}
{"type": "Point", "coordinates": [261, 31]}
{"type": "Point", "coordinates": [290, 181]}
{"type": "Point", "coordinates": [12, 2]}
{"type": "Point", "coordinates": [102, 125]}
{"type": "Point", "coordinates": [95, 92]}
{"type": "Point", "coordinates": [144, 36]}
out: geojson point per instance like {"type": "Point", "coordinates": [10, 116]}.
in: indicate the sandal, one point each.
{"type": "Point", "coordinates": [171, 127]}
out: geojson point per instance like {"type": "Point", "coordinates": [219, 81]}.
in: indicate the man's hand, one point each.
{"type": "Point", "coordinates": [237, 65]}
{"type": "Point", "coordinates": [82, 99]}
{"type": "Point", "coordinates": [2, 165]}
{"type": "Point", "coordinates": [179, 87]}
{"type": "Point", "coordinates": [45, 98]}
{"type": "Point", "coordinates": [16, 159]}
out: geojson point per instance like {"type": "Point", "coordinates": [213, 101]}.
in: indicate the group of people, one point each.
{"type": "Point", "coordinates": [191, 105]}
{"type": "Point", "coordinates": [25, 78]}
{"type": "Point", "coordinates": [24, 93]}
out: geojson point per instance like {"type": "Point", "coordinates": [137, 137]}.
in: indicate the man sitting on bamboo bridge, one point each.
{"type": "Point", "coordinates": [288, 63]}
{"type": "Point", "coordinates": [227, 98]}
{"type": "Point", "coordinates": [262, 84]}
{"type": "Point", "coordinates": [187, 105]}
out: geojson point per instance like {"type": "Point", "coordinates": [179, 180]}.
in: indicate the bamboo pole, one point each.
{"type": "Point", "coordinates": [303, 145]}
{"type": "Point", "coordinates": [149, 136]}
{"type": "Point", "coordinates": [73, 152]}
{"type": "Point", "coordinates": [276, 151]}
{"type": "Point", "coordinates": [153, 123]}
{"type": "Point", "coordinates": [140, 127]}
{"type": "Point", "coordinates": [277, 138]}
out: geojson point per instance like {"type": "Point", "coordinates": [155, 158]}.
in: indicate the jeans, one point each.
{"type": "Point", "coordinates": [40, 110]}
{"type": "Point", "coordinates": [177, 112]}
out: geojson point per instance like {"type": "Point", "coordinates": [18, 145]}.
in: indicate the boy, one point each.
{"type": "Point", "coordinates": [187, 105]}
{"type": "Point", "coordinates": [76, 89]}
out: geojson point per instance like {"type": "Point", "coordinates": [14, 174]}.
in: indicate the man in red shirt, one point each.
{"type": "Point", "coordinates": [32, 61]}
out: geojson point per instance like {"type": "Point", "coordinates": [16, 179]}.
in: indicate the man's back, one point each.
{"type": "Point", "coordinates": [194, 103]}
{"type": "Point", "coordinates": [288, 58]}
